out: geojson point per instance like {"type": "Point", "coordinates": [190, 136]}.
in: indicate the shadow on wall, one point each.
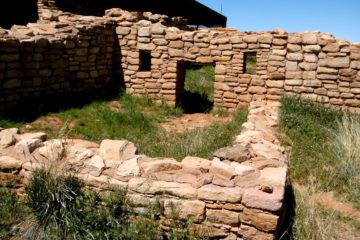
{"type": "Point", "coordinates": [33, 107]}
{"type": "Point", "coordinates": [18, 12]}
{"type": "Point", "coordinates": [286, 222]}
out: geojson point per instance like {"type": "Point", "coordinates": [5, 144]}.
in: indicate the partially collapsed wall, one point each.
{"type": "Point", "coordinates": [68, 53]}
{"type": "Point", "coordinates": [239, 194]}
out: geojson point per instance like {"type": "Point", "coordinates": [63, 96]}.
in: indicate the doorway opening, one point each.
{"type": "Point", "coordinates": [195, 87]}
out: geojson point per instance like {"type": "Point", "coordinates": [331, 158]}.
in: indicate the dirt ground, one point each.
{"type": "Point", "coordinates": [191, 121]}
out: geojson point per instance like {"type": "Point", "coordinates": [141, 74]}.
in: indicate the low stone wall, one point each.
{"type": "Point", "coordinates": [239, 194]}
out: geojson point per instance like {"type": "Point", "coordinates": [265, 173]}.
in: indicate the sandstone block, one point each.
{"type": "Point", "coordinates": [274, 84]}
{"type": "Point", "coordinates": [331, 47]}
{"type": "Point", "coordinates": [216, 193]}
{"type": "Point", "coordinates": [184, 209]}
{"type": "Point", "coordinates": [255, 198]}
{"type": "Point", "coordinates": [222, 181]}
{"type": "Point", "coordinates": [309, 57]}
{"type": "Point", "coordinates": [293, 47]}
{"type": "Point", "coordinates": [312, 48]}
{"type": "Point", "coordinates": [355, 65]}
{"type": "Point", "coordinates": [257, 90]}
{"type": "Point", "coordinates": [295, 57]}
{"type": "Point", "coordinates": [230, 95]}
{"type": "Point", "coordinates": [274, 176]}
{"type": "Point", "coordinates": [262, 220]}
{"type": "Point", "coordinates": [220, 168]}
{"type": "Point", "coordinates": [252, 233]}
{"type": "Point", "coordinates": [195, 164]}
{"type": "Point", "coordinates": [28, 145]}
{"type": "Point", "coordinates": [308, 66]}
{"type": "Point", "coordinates": [223, 217]}
{"type": "Point", "coordinates": [309, 75]}
{"type": "Point", "coordinates": [147, 186]}
{"type": "Point", "coordinates": [312, 83]}
{"type": "Point", "coordinates": [176, 52]}
{"type": "Point", "coordinates": [236, 153]}
{"type": "Point", "coordinates": [120, 150]}
{"type": "Point", "coordinates": [8, 137]}
{"type": "Point", "coordinates": [309, 38]}
{"type": "Point", "coordinates": [94, 166]}
{"type": "Point", "coordinates": [53, 149]}
{"type": "Point", "coordinates": [293, 82]}
{"type": "Point", "coordinates": [159, 165]}
{"type": "Point", "coordinates": [129, 168]}
{"type": "Point", "coordinates": [9, 163]}
{"type": "Point", "coordinates": [291, 66]}
{"type": "Point", "coordinates": [335, 62]}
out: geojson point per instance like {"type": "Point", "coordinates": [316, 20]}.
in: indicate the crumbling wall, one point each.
{"type": "Point", "coordinates": [54, 59]}
{"type": "Point", "coordinates": [239, 194]}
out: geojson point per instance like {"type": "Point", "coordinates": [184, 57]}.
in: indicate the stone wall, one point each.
{"type": "Point", "coordinates": [57, 58]}
{"type": "Point", "coordinates": [71, 53]}
{"type": "Point", "coordinates": [310, 65]}
{"type": "Point", "coordinates": [239, 194]}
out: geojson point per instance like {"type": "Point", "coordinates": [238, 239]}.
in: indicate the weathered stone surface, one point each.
{"type": "Point", "coordinates": [202, 180]}
{"type": "Point", "coordinates": [216, 193]}
{"type": "Point", "coordinates": [94, 166]}
{"type": "Point", "coordinates": [255, 198]}
{"type": "Point", "coordinates": [195, 164]}
{"type": "Point", "coordinates": [222, 181]}
{"type": "Point", "coordinates": [184, 209]}
{"type": "Point", "coordinates": [241, 169]}
{"type": "Point", "coordinates": [39, 135]}
{"type": "Point", "coordinates": [355, 65]}
{"type": "Point", "coordinates": [222, 216]}
{"type": "Point", "coordinates": [28, 145]}
{"type": "Point", "coordinates": [147, 186]}
{"type": "Point", "coordinates": [252, 233]}
{"type": "Point", "coordinates": [312, 48]}
{"type": "Point", "coordinates": [262, 220]}
{"type": "Point", "coordinates": [158, 165]}
{"type": "Point", "coordinates": [335, 62]}
{"type": "Point", "coordinates": [9, 163]}
{"type": "Point", "coordinates": [237, 153]}
{"type": "Point", "coordinates": [309, 38]}
{"type": "Point", "coordinates": [8, 137]}
{"type": "Point", "coordinates": [117, 150]}
{"type": "Point", "coordinates": [220, 168]}
{"type": "Point", "coordinates": [129, 168]}
{"type": "Point", "coordinates": [295, 57]}
{"type": "Point", "coordinates": [53, 149]}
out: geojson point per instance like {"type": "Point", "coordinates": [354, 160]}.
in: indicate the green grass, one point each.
{"type": "Point", "coordinates": [201, 80]}
{"type": "Point", "coordinates": [138, 120]}
{"type": "Point", "coordinates": [58, 207]}
{"type": "Point", "coordinates": [324, 156]}
{"type": "Point", "coordinates": [250, 63]}
{"type": "Point", "coordinates": [310, 129]}
{"type": "Point", "coordinates": [12, 212]}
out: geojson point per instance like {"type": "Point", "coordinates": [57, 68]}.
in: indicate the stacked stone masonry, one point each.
{"type": "Point", "coordinates": [239, 194]}
{"type": "Point", "coordinates": [64, 52]}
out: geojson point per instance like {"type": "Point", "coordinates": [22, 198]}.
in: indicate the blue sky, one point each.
{"type": "Point", "coordinates": [340, 17]}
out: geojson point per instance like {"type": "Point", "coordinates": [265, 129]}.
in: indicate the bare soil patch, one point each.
{"type": "Point", "coordinates": [191, 121]}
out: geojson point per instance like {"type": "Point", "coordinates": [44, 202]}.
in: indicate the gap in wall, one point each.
{"type": "Point", "coordinates": [195, 87]}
